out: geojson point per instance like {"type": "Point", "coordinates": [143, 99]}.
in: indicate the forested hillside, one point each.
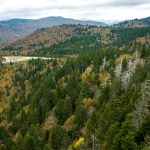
{"type": "Point", "coordinates": [16, 29]}
{"type": "Point", "coordinates": [144, 22]}
{"type": "Point", "coordinates": [94, 96]}
{"type": "Point", "coordinates": [65, 34]}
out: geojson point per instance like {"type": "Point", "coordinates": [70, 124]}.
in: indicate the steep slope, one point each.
{"type": "Point", "coordinates": [98, 100]}
{"type": "Point", "coordinates": [15, 29]}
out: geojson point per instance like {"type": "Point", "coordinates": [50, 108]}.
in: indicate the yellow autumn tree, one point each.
{"type": "Point", "coordinates": [84, 77]}
{"type": "Point", "coordinates": [104, 77]}
{"type": "Point", "coordinates": [87, 102]}
{"type": "Point", "coordinates": [79, 143]}
{"type": "Point", "coordinates": [122, 57]}
{"type": "Point", "coordinates": [69, 123]}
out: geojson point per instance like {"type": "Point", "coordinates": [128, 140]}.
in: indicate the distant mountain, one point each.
{"type": "Point", "coordinates": [15, 29]}
{"type": "Point", "coordinates": [144, 22]}
{"type": "Point", "coordinates": [54, 21]}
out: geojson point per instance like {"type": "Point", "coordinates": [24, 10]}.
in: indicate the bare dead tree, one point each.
{"type": "Point", "coordinates": [143, 104]}
{"type": "Point", "coordinates": [126, 76]}
{"type": "Point", "coordinates": [118, 70]}
{"type": "Point", "coordinates": [103, 64]}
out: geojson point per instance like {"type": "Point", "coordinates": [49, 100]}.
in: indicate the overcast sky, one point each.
{"type": "Point", "coordinates": [77, 9]}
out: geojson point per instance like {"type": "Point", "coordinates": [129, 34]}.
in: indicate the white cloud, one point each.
{"type": "Point", "coordinates": [88, 9]}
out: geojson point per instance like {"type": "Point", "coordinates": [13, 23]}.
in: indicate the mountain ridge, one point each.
{"type": "Point", "coordinates": [15, 29]}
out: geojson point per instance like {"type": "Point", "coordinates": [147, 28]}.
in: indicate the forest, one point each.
{"type": "Point", "coordinates": [94, 96]}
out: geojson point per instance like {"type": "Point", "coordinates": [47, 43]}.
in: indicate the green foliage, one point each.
{"type": "Point", "coordinates": [58, 138]}
{"type": "Point", "coordinates": [126, 35]}
{"type": "Point", "coordinates": [125, 139]}
{"type": "Point", "coordinates": [52, 93]}
{"type": "Point", "coordinates": [63, 109]}
{"type": "Point", "coordinates": [5, 138]}
{"type": "Point", "coordinates": [80, 113]}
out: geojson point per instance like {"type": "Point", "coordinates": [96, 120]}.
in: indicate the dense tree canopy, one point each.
{"type": "Point", "coordinates": [96, 99]}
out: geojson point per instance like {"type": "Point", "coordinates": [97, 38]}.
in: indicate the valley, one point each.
{"type": "Point", "coordinates": [77, 87]}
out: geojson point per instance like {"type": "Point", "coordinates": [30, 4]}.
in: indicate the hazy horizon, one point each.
{"type": "Point", "coordinates": [82, 19]}
{"type": "Point", "coordinates": [104, 10]}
